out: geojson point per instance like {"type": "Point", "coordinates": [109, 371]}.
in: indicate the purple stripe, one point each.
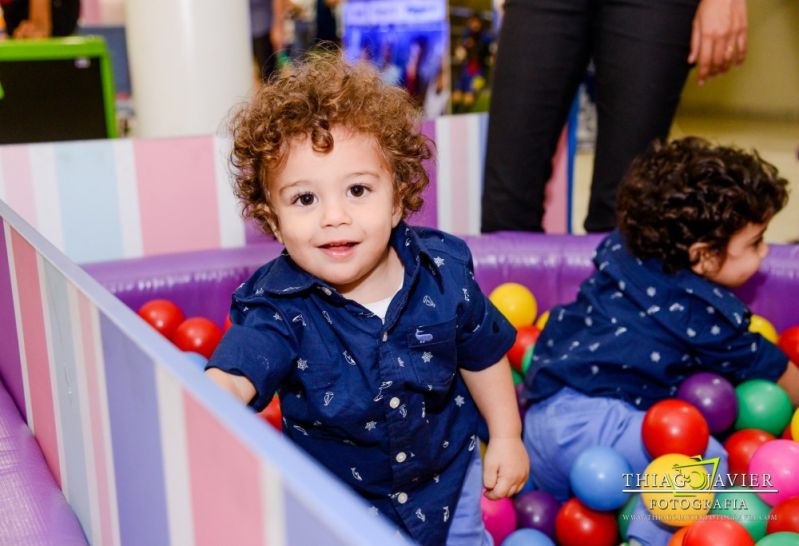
{"type": "Point", "coordinates": [10, 365]}
{"type": "Point", "coordinates": [303, 527]}
{"type": "Point", "coordinates": [428, 216]}
{"type": "Point", "coordinates": [135, 438]}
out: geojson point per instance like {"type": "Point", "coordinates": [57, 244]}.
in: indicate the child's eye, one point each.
{"type": "Point", "coordinates": [358, 190]}
{"type": "Point", "coordinates": [303, 199]}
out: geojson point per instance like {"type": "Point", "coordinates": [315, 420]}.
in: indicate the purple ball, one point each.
{"type": "Point", "coordinates": [537, 510]}
{"type": "Point", "coordinates": [713, 396]}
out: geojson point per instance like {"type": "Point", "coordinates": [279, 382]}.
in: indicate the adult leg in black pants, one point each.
{"type": "Point", "coordinates": [544, 48]}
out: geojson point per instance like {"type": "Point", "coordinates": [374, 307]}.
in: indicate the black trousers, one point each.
{"type": "Point", "coordinates": [640, 50]}
{"type": "Point", "coordinates": [64, 15]}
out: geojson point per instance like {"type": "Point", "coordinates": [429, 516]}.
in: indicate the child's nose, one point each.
{"type": "Point", "coordinates": [335, 213]}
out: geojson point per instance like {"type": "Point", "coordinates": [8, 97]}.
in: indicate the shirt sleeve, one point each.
{"type": "Point", "coordinates": [257, 346]}
{"type": "Point", "coordinates": [484, 334]}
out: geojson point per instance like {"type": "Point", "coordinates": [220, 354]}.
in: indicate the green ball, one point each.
{"type": "Point", "coordinates": [527, 359]}
{"type": "Point", "coordinates": [745, 508]}
{"type": "Point", "coordinates": [779, 539]}
{"type": "Point", "coordinates": [517, 377]}
{"type": "Point", "coordinates": [625, 515]}
{"type": "Point", "coordinates": [763, 404]}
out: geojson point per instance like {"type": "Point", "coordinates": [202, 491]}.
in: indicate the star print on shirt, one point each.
{"type": "Point", "coordinates": [371, 425]}
{"type": "Point", "coordinates": [459, 400]}
{"type": "Point", "coordinates": [302, 364]}
{"type": "Point", "coordinates": [277, 316]}
{"type": "Point", "coordinates": [427, 357]}
{"type": "Point", "coordinates": [439, 261]}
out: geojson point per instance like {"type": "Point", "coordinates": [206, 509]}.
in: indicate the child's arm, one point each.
{"type": "Point", "coordinates": [506, 466]}
{"type": "Point", "coordinates": [789, 380]}
{"type": "Point", "coordinates": [237, 385]}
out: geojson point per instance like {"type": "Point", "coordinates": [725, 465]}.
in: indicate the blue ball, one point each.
{"type": "Point", "coordinates": [597, 478]}
{"type": "Point", "coordinates": [527, 537]}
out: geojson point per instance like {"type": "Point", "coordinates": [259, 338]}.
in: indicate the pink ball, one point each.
{"type": "Point", "coordinates": [779, 461]}
{"type": "Point", "coordinates": [499, 517]}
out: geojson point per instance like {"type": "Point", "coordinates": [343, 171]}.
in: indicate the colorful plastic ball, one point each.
{"type": "Point", "coordinates": [713, 396]}
{"type": "Point", "coordinates": [197, 334]}
{"type": "Point", "coordinates": [779, 460]}
{"type": "Point", "coordinates": [515, 302]}
{"type": "Point", "coordinates": [597, 478]}
{"type": "Point", "coordinates": [272, 414]}
{"type": "Point", "coordinates": [163, 315]}
{"type": "Point", "coordinates": [717, 531]}
{"type": "Point", "coordinates": [785, 517]}
{"type": "Point", "coordinates": [196, 358]}
{"type": "Point", "coordinates": [674, 426]}
{"type": "Point", "coordinates": [499, 517]}
{"type": "Point", "coordinates": [528, 537]}
{"type": "Point", "coordinates": [518, 378]}
{"type": "Point", "coordinates": [537, 510]}
{"type": "Point", "coordinates": [526, 337]}
{"type": "Point", "coordinates": [228, 324]}
{"type": "Point", "coordinates": [761, 325]}
{"type": "Point", "coordinates": [787, 434]}
{"type": "Point", "coordinates": [740, 447]}
{"type": "Point", "coordinates": [578, 525]}
{"type": "Point", "coordinates": [527, 359]}
{"type": "Point", "coordinates": [779, 539]}
{"type": "Point", "coordinates": [789, 342]}
{"type": "Point", "coordinates": [678, 537]}
{"type": "Point", "coordinates": [744, 507]}
{"type": "Point", "coordinates": [625, 515]}
{"type": "Point", "coordinates": [793, 429]}
{"type": "Point", "coordinates": [670, 472]}
{"type": "Point", "coordinates": [542, 320]}
{"type": "Point", "coordinates": [763, 404]}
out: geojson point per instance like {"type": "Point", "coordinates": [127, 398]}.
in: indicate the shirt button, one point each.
{"type": "Point", "coordinates": [394, 403]}
{"type": "Point", "coordinates": [385, 337]}
{"type": "Point", "coordinates": [402, 498]}
{"type": "Point", "coordinates": [326, 290]}
{"type": "Point", "coordinates": [401, 456]}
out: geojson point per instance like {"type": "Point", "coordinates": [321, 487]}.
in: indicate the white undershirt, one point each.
{"type": "Point", "coordinates": [380, 307]}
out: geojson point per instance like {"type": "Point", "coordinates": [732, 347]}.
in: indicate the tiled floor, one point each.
{"type": "Point", "coordinates": [777, 142]}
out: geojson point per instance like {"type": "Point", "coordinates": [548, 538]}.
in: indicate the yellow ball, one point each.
{"type": "Point", "coordinates": [683, 504]}
{"type": "Point", "coordinates": [516, 302]}
{"type": "Point", "coordinates": [795, 425]}
{"type": "Point", "coordinates": [763, 327]}
{"type": "Point", "coordinates": [542, 320]}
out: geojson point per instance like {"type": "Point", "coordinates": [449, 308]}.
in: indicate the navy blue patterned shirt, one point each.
{"type": "Point", "coordinates": [381, 405]}
{"type": "Point", "coordinates": [635, 333]}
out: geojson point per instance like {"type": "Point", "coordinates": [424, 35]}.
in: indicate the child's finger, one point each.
{"type": "Point", "coordinates": [490, 474]}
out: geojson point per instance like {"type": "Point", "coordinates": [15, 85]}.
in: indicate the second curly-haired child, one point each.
{"type": "Point", "coordinates": [659, 308]}
{"type": "Point", "coordinates": [374, 333]}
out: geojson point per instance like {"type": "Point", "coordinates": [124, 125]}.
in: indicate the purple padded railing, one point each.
{"type": "Point", "coordinates": [552, 266]}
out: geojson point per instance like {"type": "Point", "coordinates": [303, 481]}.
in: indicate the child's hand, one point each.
{"type": "Point", "coordinates": [505, 467]}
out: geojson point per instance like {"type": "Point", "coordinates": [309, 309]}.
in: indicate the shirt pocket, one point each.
{"type": "Point", "coordinates": [433, 356]}
{"type": "Point", "coordinates": [323, 390]}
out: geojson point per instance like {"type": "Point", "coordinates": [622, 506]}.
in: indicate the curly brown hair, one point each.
{"type": "Point", "coordinates": [310, 99]}
{"type": "Point", "coordinates": [686, 191]}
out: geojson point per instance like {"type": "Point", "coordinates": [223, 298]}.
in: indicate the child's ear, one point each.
{"type": "Point", "coordinates": [704, 260]}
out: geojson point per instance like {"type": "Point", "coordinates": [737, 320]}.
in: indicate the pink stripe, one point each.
{"type": "Point", "coordinates": [16, 166]}
{"type": "Point", "coordinates": [177, 194]}
{"type": "Point", "coordinates": [90, 12]}
{"type": "Point", "coordinates": [459, 174]}
{"type": "Point", "coordinates": [35, 343]}
{"type": "Point", "coordinates": [557, 190]}
{"type": "Point", "coordinates": [218, 466]}
{"type": "Point", "coordinates": [95, 415]}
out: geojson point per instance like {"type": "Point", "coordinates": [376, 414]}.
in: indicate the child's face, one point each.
{"type": "Point", "coordinates": [745, 251]}
{"type": "Point", "coordinates": [335, 211]}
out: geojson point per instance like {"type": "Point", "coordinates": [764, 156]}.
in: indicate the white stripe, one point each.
{"type": "Point", "coordinates": [54, 371]}
{"type": "Point", "coordinates": [23, 359]}
{"type": "Point", "coordinates": [46, 195]}
{"type": "Point", "coordinates": [128, 196]}
{"type": "Point", "coordinates": [82, 387]}
{"type": "Point", "coordinates": [231, 226]}
{"type": "Point", "coordinates": [472, 158]}
{"type": "Point", "coordinates": [274, 516]}
{"type": "Point", "coordinates": [175, 455]}
{"type": "Point", "coordinates": [105, 422]}
{"type": "Point", "coordinates": [444, 175]}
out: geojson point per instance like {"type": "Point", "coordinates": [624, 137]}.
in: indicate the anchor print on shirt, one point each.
{"type": "Point", "coordinates": [299, 318]}
{"type": "Point", "coordinates": [383, 386]}
{"type": "Point", "coordinates": [349, 359]}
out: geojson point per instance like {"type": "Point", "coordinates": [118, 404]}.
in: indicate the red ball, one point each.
{"type": "Point", "coordinates": [678, 537]}
{"type": "Point", "coordinates": [674, 426]}
{"type": "Point", "coordinates": [740, 447]}
{"type": "Point", "coordinates": [717, 531]}
{"type": "Point", "coordinates": [578, 525]}
{"type": "Point", "coordinates": [163, 315]}
{"type": "Point", "coordinates": [228, 324]}
{"type": "Point", "coordinates": [787, 434]}
{"type": "Point", "coordinates": [197, 334]}
{"type": "Point", "coordinates": [789, 342]}
{"type": "Point", "coordinates": [525, 336]}
{"type": "Point", "coordinates": [784, 517]}
{"type": "Point", "coordinates": [272, 414]}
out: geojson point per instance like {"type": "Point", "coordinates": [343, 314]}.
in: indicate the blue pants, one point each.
{"type": "Point", "coordinates": [559, 428]}
{"type": "Point", "coordinates": [467, 528]}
